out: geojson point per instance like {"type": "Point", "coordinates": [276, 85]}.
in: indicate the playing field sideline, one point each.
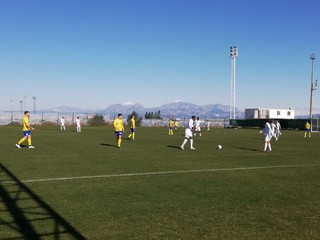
{"type": "Point", "coordinates": [80, 186]}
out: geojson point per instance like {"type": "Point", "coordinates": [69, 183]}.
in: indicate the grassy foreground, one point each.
{"type": "Point", "coordinates": [241, 194]}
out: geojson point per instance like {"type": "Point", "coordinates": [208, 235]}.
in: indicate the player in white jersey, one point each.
{"type": "Point", "coordinates": [188, 133]}
{"type": "Point", "coordinates": [273, 129]}
{"type": "Point", "coordinates": [62, 124]}
{"type": "Point", "coordinates": [208, 125]}
{"type": "Point", "coordinates": [278, 130]}
{"type": "Point", "coordinates": [197, 127]}
{"type": "Point", "coordinates": [268, 136]}
{"type": "Point", "coordinates": [78, 123]}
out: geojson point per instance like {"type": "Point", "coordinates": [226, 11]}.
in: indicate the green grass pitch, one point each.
{"type": "Point", "coordinates": [247, 194]}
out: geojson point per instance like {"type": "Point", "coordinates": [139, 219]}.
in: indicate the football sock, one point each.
{"type": "Point", "coordinates": [184, 142]}
{"type": "Point", "coordinates": [21, 140]}
{"type": "Point", "coordinates": [29, 141]}
{"type": "Point", "coordinates": [191, 143]}
{"type": "Point", "coordinates": [133, 135]}
{"type": "Point", "coordinates": [119, 142]}
{"type": "Point", "coordinates": [129, 136]}
{"type": "Point", "coordinates": [269, 145]}
{"type": "Point", "coordinates": [265, 146]}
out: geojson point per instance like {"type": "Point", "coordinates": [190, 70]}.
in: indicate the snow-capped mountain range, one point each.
{"type": "Point", "coordinates": [178, 109]}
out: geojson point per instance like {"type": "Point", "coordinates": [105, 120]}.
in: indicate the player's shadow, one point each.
{"type": "Point", "coordinates": [108, 145]}
{"type": "Point", "coordinates": [23, 146]}
{"type": "Point", "coordinates": [172, 146]}
{"type": "Point", "coordinates": [248, 149]}
{"type": "Point", "coordinates": [23, 213]}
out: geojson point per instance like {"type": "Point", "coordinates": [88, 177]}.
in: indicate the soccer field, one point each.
{"type": "Point", "coordinates": [80, 186]}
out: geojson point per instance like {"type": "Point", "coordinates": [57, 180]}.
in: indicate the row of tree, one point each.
{"type": "Point", "coordinates": [153, 115]}
{"type": "Point", "coordinates": [98, 120]}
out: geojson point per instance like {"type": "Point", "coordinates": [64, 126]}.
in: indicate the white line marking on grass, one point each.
{"type": "Point", "coordinates": [160, 173]}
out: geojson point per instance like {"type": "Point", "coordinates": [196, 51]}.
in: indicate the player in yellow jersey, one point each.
{"type": "Point", "coordinates": [171, 125]}
{"type": "Point", "coordinates": [307, 129]}
{"type": "Point", "coordinates": [133, 127]}
{"type": "Point", "coordinates": [26, 131]}
{"type": "Point", "coordinates": [176, 124]}
{"type": "Point", "coordinates": [118, 128]}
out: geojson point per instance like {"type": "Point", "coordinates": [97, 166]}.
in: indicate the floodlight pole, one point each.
{"type": "Point", "coordinates": [312, 57]}
{"type": "Point", "coordinates": [25, 103]}
{"type": "Point", "coordinates": [34, 105]}
{"type": "Point", "coordinates": [21, 106]}
{"type": "Point", "coordinates": [11, 109]}
{"type": "Point", "coordinates": [233, 54]}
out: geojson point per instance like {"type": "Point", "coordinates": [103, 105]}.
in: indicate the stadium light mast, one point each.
{"type": "Point", "coordinates": [25, 103]}
{"type": "Point", "coordinates": [21, 103]}
{"type": "Point", "coordinates": [233, 54]}
{"type": "Point", "coordinates": [313, 84]}
{"type": "Point", "coordinates": [34, 104]}
{"type": "Point", "coordinates": [11, 109]}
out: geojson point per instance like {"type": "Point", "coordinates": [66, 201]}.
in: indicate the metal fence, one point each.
{"type": "Point", "coordinates": [285, 123]}
{"type": "Point", "coordinates": [53, 118]}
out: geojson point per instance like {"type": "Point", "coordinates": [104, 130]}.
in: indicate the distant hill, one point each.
{"type": "Point", "coordinates": [125, 109]}
{"type": "Point", "coordinates": [66, 109]}
{"type": "Point", "coordinates": [182, 109]}
{"type": "Point", "coordinates": [178, 109]}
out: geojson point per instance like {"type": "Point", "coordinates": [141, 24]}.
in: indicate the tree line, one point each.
{"type": "Point", "coordinates": [153, 115]}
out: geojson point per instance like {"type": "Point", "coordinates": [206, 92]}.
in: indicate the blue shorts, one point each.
{"type": "Point", "coordinates": [27, 133]}
{"type": "Point", "coordinates": [308, 130]}
{"type": "Point", "coordinates": [118, 134]}
{"type": "Point", "coordinates": [133, 130]}
{"type": "Point", "coordinates": [170, 128]}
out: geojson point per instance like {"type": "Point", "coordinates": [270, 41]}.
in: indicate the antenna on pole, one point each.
{"type": "Point", "coordinates": [34, 104]}
{"type": "Point", "coordinates": [233, 54]}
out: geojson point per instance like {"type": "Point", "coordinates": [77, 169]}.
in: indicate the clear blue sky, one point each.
{"type": "Point", "coordinates": [94, 53]}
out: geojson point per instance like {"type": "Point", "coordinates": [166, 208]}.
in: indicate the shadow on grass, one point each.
{"type": "Point", "coordinates": [248, 149]}
{"type": "Point", "coordinates": [171, 146]}
{"type": "Point", "coordinates": [23, 146]}
{"type": "Point", "coordinates": [24, 214]}
{"type": "Point", "coordinates": [108, 145]}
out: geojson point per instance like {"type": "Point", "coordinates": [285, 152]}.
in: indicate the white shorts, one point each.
{"type": "Point", "coordinates": [188, 133]}
{"type": "Point", "coordinates": [268, 137]}
{"type": "Point", "coordinates": [198, 129]}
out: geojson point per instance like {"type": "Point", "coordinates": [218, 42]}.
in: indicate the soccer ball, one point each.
{"type": "Point", "coordinates": [219, 147]}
